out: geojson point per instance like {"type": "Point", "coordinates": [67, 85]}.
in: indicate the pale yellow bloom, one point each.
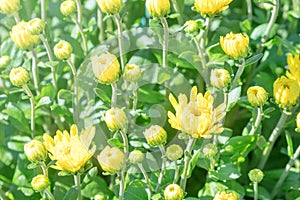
{"type": "Point", "coordinates": [10, 6]}
{"type": "Point", "coordinates": [173, 192]}
{"type": "Point", "coordinates": [286, 91]}
{"type": "Point", "coordinates": [155, 135]}
{"type": "Point", "coordinates": [35, 26]}
{"type": "Point", "coordinates": [174, 152]}
{"type": "Point", "coordinates": [191, 26]}
{"type": "Point", "coordinates": [4, 61]}
{"type": "Point", "coordinates": [19, 76]}
{"type": "Point", "coordinates": [68, 7]}
{"type": "Point", "coordinates": [220, 78]}
{"type": "Point", "coordinates": [257, 96]}
{"type": "Point", "coordinates": [22, 38]}
{"type": "Point", "coordinates": [63, 50]}
{"type": "Point", "coordinates": [158, 8]}
{"type": "Point", "coordinates": [106, 68]}
{"type": "Point", "coordinates": [211, 7]}
{"type": "Point", "coordinates": [294, 67]}
{"type": "Point", "coordinates": [225, 196]}
{"type": "Point", "coordinates": [115, 119]}
{"type": "Point", "coordinates": [197, 117]}
{"type": "Point", "coordinates": [110, 6]}
{"type": "Point", "coordinates": [35, 151]}
{"type": "Point", "coordinates": [235, 45]}
{"type": "Point", "coordinates": [136, 156]}
{"type": "Point", "coordinates": [132, 72]}
{"type": "Point", "coordinates": [40, 182]}
{"type": "Point", "coordinates": [71, 151]}
{"type": "Point", "coordinates": [112, 160]}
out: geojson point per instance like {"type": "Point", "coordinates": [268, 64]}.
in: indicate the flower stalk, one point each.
{"type": "Point", "coordinates": [114, 96]}
{"type": "Point", "coordinates": [140, 165]}
{"type": "Point", "coordinates": [122, 185]}
{"type": "Point", "coordinates": [83, 38]}
{"type": "Point", "coordinates": [125, 141]}
{"type": "Point", "coordinates": [34, 70]}
{"type": "Point", "coordinates": [257, 120]}
{"type": "Point", "coordinates": [47, 191]}
{"type": "Point", "coordinates": [255, 189]}
{"type": "Point", "coordinates": [79, 11]}
{"type": "Point", "coordinates": [163, 167]}
{"type": "Point", "coordinates": [78, 184]}
{"type": "Point", "coordinates": [32, 113]}
{"type": "Point", "coordinates": [177, 10]}
{"type": "Point", "coordinates": [238, 74]}
{"type": "Point", "coordinates": [120, 39]}
{"type": "Point", "coordinates": [43, 10]}
{"type": "Point", "coordinates": [76, 97]}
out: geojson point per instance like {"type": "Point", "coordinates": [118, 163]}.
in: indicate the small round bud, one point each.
{"type": "Point", "coordinates": [220, 78]}
{"type": "Point", "coordinates": [174, 152]}
{"type": "Point", "coordinates": [35, 26]}
{"type": "Point", "coordinates": [63, 50]}
{"type": "Point", "coordinates": [210, 150]}
{"type": "Point", "coordinates": [132, 72]}
{"type": "Point", "coordinates": [35, 151]}
{"type": "Point", "coordinates": [223, 195]}
{"type": "Point", "coordinates": [68, 7]}
{"type": "Point", "coordinates": [257, 96]}
{"type": "Point", "coordinates": [256, 175]}
{"type": "Point", "coordinates": [110, 6]}
{"type": "Point", "coordinates": [19, 76]}
{"type": "Point", "coordinates": [100, 197]}
{"type": "Point", "coordinates": [235, 45]}
{"type": "Point", "coordinates": [158, 8]}
{"type": "Point", "coordinates": [298, 122]}
{"type": "Point", "coordinates": [115, 119]}
{"type": "Point", "coordinates": [22, 38]}
{"type": "Point", "coordinates": [112, 160]}
{"type": "Point", "coordinates": [155, 135]}
{"type": "Point", "coordinates": [40, 183]}
{"type": "Point", "coordinates": [4, 61]}
{"type": "Point", "coordinates": [9, 7]}
{"type": "Point", "coordinates": [136, 157]}
{"type": "Point", "coordinates": [191, 26]}
{"type": "Point", "coordinates": [173, 192]}
{"type": "Point", "coordinates": [106, 68]}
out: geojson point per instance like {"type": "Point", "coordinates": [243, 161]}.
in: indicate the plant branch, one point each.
{"type": "Point", "coordinates": [75, 97]}
{"type": "Point", "coordinates": [163, 168]}
{"type": "Point", "coordinates": [32, 105]}
{"type": "Point", "coordinates": [257, 120]}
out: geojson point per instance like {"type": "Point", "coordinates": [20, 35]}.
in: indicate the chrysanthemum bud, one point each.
{"type": "Point", "coordinates": [158, 8]}
{"type": "Point", "coordinates": [298, 122]}
{"type": "Point", "coordinates": [35, 151]}
{"type": "Point", "coordinates": [100, 197]}
{"type": "Point", "coordinates": [63, 50]}
{"type": "Point", "coordinates": [174, 152]}
{"type": "Point", "coordinates": [22, 38]}
{"type": "Point", "coordinates": [223, 195]}
{"type": "Point", "coordinates": [136, 156]}
{"type": "Point", "coordinates": [286, 91]}
{"type": "Point", "coordinates": [35, 26]}
{"type": "Point", "coordinates": [211, 7]}
{"type": "Point", "coordinates": [210, 150]}
{"type": "Point", "coordinates": [4, 61]}
{"type": "Point", "coordinates": [115, 119]}
{"type": "Point", "coordinates": [257, 96]}
{"type": "Point", "coordinates": [191, 26]}
{"type": "Point", "coordinates": [235, 45]}
{"type": "Point", "coordinates": [9, 7]}
{"type": "Point", "coordinates": [110, 6]}
{"type": "Point", "coordinates": [132, 72]}
{"type": "Point", "coordinates": [155, 135]}
{"type": "Point", "coordinates": [112, 160]}
{"type": "Point", "coordinates": [173, 192]}
{"type": "Point", "coordinates": [106, 68]}
{"type": "Point", "coordinates": [220, 78]}
{"type": "Point", "coordinates": [68, 7]}
{"type": "Point", "coordinates": [256, 175]}
{"type": "Point", "coordinates": [40, 183]}
{"type": "Point", "coordinates": [19, 76]}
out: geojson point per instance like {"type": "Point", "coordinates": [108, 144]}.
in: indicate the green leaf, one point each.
{"type": "Point", "coordinates": [44, 101]}
{"type": "Point", "coordinates": [233, 97]}
{"type": "Point", "coordinates": [174, 15]}
{"type": "Point", "coordinates": [115, 143]}
{"type": "Point", "coordinates": [49, 91]}
{"type": "Point", "coordinates": [102, 95]}
{"type": "Point", "coordinates": [289, 140]}
{"type": "Point", "coordinates": [32, 166]}
{"type": "Point", "coordinates": [65, 94]}
{"type": "Point", "coordinates": [97, 186]}
{"type": "Point", "coordinates": [71, 194]}
{"type": "Point", "coordinates": [193, 162]}
{"type": "Point", "coordinates": [226, 172]}
{"type": "Point", "coordinates": [253, 59]}
{"type": "Point", "coordinates": [135, 193]}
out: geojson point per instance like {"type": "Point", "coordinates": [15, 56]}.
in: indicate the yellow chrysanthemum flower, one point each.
{"type": "Point", "coordinates": [158, 8]}
{"type": "Point", "coordinates": [225, 196]}
{"type": "Point", "coordinates": [235, 45]}
{"type": "Point", "coordinates": [197, 117]}
{"type": "Point", "coordinates": [71, 151]}
{"type": "Point", "coordinates": [211, 7]}
{"type": "Point", "coordinates": [10, 7]}
{"type": "Point", "coordinates": [294, 67]}
{"type": "Point", "coordinates": [286, 91]}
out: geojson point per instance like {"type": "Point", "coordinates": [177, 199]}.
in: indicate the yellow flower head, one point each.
{"type": "Point", "coordinates": [155, 135]}
{"type": "Point", "coordinates": [173, 192]}
{"type": "Point", "coordinates": [40, 183]}
{"type": "Point", "coordinates": [9, 7]}
{"type": "Point", "coordinates": [110, 6]}
{"type": "Point", "coordinates": [211, 7]}
{"type": "Point", "coordinates": [112, 160]}
{"type": "Point", "coordinates": [257, 96]}
{"type": "Point", "coordinates": [225, 196]}
{"type": "Point", "coordinates": [158, 8]}
{"type": "Point", "coordinates": [63, 50]}
{"type": "Point", "coordinates": [115, 119]}
{"type": "Point", "coordinates": [197, 117]}
{"type": "Point", "coordinates": [106, 68]}
{"type": "Point", "coordinates": [22, 38]}
{"type": "Point", "coordinates": [298, 122]}
{"type": "Point", "coordinates": [19, 76]}
{"type": "Point", "coordinates": [35, 26]}
{"type": "Point", "coordinates": [286, 91]}
{"type": "Point", "coordinates": [191, 26]}
{"type": "Point", "coordinates": [132, 72]}
{"type": "Point", "coordinates": [294, 67]}
{"type": "Point", "coordinates": [35, 151]}
{"type": "Point", "coordinates": [235, 45]}
{"type": "Point", "coordinates": [70, 150]}
{"type": "Point", "coordinates": [220, 78]}
{"type": "Point", "coordinates": [135, 157]}
{"type": "Point", "coordinates": [68, 8]}
{"type": "Point", "coordinates": [4, 61]}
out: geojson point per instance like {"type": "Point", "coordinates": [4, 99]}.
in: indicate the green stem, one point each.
{"type": "Point", "coordinates": [17, 17]}
{"type": "Point", "coordinates": [32, 104]}
{"type": "Point", "coordinates": [275, 134]}
{"type": "Point", "coordinates": [249, 10]}
{"type": "Point", "coordinates": [238, 74]}
{"type": "Point", "coordinates": [135, 97]}
{"type": "Point", "coordinates": [79, 11]}
{"type": "Point", "coordinates": [120, 39]}
{"type": "Point", "coordinates": [125, 142]}
{"type": "Point", "coordinates": [163, 168]}
{"type": "Point", "coordinates": [140, 165]}
{"type": "Point", "coordinates": [50, 57]}
{"type": "Point", "coordinates": [122, 185]}
{"type": "Point", "coordinates": [257, 121]}
{"type": "Point", "coordinates": [187, 159]}
{"type": "Point", "coordinates": [114, 96]}
{"type": "Point", "coordinates": [77, 183]}
{"type": "Point", "coordinates": [47, 191]}
{"type": "Point", "coordinates": [177, 10]}
{"type": "Point", "coordinates": [205, 33]}
{"type": "Point", "coordinates": [200, 54]}
{"type": "Point", "coordinates": [272, 21]}
{"type": "Point", "coordinates": [165, 42]}
{"type": "Point", "coordinates": [44, 168]}
{"type": "Point", "coordinates": [83, 38]}
{"type": "Point", "coordinates": [100, 25]}
{"type": "Point", "coordinates": [35, 72]}
{"type": "Point", "coordinates": [285, 173]}
{"type": "Point", "coordinates": [43, 10]}
{"type": "Point", "coordinates": [176, 176]}
{"type": "Point", "coordinates": [255, 189]}
{"type": "Point", "coordinates": [75, 97]}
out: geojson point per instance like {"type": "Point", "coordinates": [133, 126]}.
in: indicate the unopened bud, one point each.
{"type": "Point", "coordinates": [63, 50]}
{"type": "Point", "coordinates": [256, 175]}
{"type": "Point", "coordinates": [68, 7]}
{"type": "Point", "coordinates": [40, 183]}
{"type": "Point", "coordinates": [155, 135]}
{"type": "Point", "coordinates": [136, 157]}
{"type": "Point", "coordinates": [19, 76]}
{"type": "Point", "coordinates": [174, 152]}
{"type": "Point", "coordinates": [173, 192]}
